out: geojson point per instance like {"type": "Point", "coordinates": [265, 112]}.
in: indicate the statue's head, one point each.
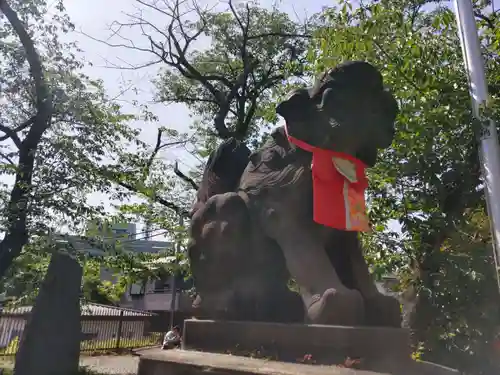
{"type": "Point", "coordinates": [347, 110]}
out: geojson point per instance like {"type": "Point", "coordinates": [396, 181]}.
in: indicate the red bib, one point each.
{"type": "Point", "coordinates": [339, 184]}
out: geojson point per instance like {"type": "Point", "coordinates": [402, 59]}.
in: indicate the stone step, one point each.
{"type": "Point", "coordinates": [185, 362]}
{"type": "Point", "coordinates": [289, 342]}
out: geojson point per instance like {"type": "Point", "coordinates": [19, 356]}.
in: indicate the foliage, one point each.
{"type": "Point", "coordinates": [93, 345]}
{"type": "Point", "coordinates": [123, 267]}
{"type": "Point", "coordinates": [12, 347]}
{"type": "Point", "coordinates": [20, 284]}
{"type": "Point", "coordinates": [59, 126]}
{"type": "Point", "coordinates": [74, 156]}
{"type": "Point", "coordinates": [465, 305]}
{"type": "Point", "coordinates": [229, 87]}
{"type": "Point", "coordinates": [98, 345]}
{"type": "Point", "coordinates": [253, 50]}
{"type": "Point", "coordinates": [95, 289]}
{"type": "Point", "coordinates": [429, 180]}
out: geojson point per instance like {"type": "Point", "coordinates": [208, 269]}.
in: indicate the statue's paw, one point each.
{"type": "Point", "coordinates": [335, 307]}
{"type": "Point", "coordinates": [381, 310]}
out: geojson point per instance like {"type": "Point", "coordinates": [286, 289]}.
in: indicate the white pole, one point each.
{"type": "Point", "coordinates": [489, 149]}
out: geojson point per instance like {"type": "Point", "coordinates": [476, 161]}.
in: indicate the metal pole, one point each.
{"type": "Point", "coordinates": [177, 249]}
{"type": "Point", "coordinates": [489, 149]}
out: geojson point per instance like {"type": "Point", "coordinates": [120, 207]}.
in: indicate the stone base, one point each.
{"type": "Point", "coordinates": [329, 345]}
{"type": "Point", "coordinates": [377, 348]}
{"type": "Point", "coordinates": [182, 362]}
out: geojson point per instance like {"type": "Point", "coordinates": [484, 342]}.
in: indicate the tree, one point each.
{"type": "Point", "coordinates": [465, 299]}
{"type": "Point", "coordinates": [37, 123]}
{"type": "Point", "coordinates": [22, 282]}
{"type": "Point", "coordinates": [56, 123]}
{"type": "Point", "coordinates": [429, 180]}
{"type": "Point", "coordinates": [59, 129]}
{"type": "Point", "coordinates": [229, 86]}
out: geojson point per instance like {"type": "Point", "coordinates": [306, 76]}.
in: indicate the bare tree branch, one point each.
{"type": "Point", "coordinates": [154, 153]}
{"type": "Point", "coordinates": [135, 187]}
{"type": "Point", "coordinates": [7, 158]}
{"type": "Point", "coordinates": [179, 210]}
{"type": "Point", "coordinates": [158, 147]}
{"type": "Point", "coordinates": [490, 21]}
{"type": "Point", "coordinates": [186, 99]}
{"type": "Point", "coordinates": [278, 34]}
{"type": "Point", "coordinates": [178, 36]}
{"type": "Point", "coordinates": [189, 180]}
{"type": "Point", "coordinates": [12, 133]}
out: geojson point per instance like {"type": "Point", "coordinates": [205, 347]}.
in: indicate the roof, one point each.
{"type": "Point", "coordinates": [88, 309]}
{"type": "Point", "coordinates": [134, 245]}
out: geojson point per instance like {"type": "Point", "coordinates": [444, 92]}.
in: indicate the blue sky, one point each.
{"type": "Point", "coordinates": [94, 17]}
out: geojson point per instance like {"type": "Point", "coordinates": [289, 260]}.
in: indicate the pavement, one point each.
{"type": "Point", "coordinates": [108, 364]}
{"type": "Point", "coordinates": [112, 364]}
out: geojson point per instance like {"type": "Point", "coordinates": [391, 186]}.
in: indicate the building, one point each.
{"type": "Point", "coordinates": [155, 295]}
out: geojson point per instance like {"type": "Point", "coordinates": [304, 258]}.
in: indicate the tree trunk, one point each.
{"type": "Point", "coordinates": [51, 339]}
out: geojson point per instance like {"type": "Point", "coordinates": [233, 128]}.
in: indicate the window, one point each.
{"type": "Point", "coordinates": [162, 284]}
{"type": "Point", "coordinates": [137, 289]}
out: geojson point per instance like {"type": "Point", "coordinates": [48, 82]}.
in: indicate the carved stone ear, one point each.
{"type": "Point", "coordinates": [300, 115]}
{"type": "Point", "coordinates": [327, 98]}
{"type": "Point", "coordinates": [229, 159]}
{"type": "Point", "coordinates": [296, 106]}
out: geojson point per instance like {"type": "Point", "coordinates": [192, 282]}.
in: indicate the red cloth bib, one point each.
{"type": "Point", "coordinates": [339, 184]}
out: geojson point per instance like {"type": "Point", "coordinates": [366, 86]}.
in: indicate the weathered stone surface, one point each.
{"type": "Point", "coordinates": [287, 342]}
{"type": "Point", "coordinates": [384, 350]}
{"type": "Point", "coordinates": [177, 362]}
{"type": "Point", "coordinates": [183, 362]}
{"type": "Point", "coordinates": [51, 340]}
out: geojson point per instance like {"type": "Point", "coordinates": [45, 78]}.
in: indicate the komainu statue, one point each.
{"type": "Point", "coordinates": [292, 209]}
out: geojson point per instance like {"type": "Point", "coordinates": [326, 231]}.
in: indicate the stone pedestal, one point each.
{"type": "Point", "coordinates": [185, 362]}
{"type": "Point", "coordinates": [288, 349]}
